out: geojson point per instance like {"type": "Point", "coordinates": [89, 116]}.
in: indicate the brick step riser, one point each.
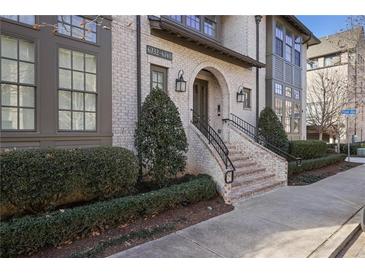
{"type": "Point", "coordinates": [232, 197]}
{"type": "Point", "coordinates": [238, 184]}
{"type": "Point", "coordinates": [240, 173]}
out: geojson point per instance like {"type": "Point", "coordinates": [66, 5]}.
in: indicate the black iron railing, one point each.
{"type": "Point", "coordinates": [216, 141]}
{"type": "Point", "coordinates": [254, 134]}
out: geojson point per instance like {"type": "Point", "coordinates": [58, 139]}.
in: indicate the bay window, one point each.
{"type": "Point", "coordinates": [204, 24]}
{"type": "Point", "coordinates": [17, 84]}
{"type": "Point", "coordinates": [77, 91]}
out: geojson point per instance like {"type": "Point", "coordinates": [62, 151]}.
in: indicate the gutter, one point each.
{"type": "Point", "coordinates": [139, 91]}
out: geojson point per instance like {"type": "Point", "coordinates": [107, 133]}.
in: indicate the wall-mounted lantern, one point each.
{"type": "Point", "coordinates": [180, 82]}
{"type": "Point", "coordinates": [240, 94]}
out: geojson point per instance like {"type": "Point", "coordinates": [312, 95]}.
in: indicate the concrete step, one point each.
{"type": "Point", "coordinates": [259, 188]}
{"type": "Point", "coordinates": [246, 180]}
{"type": "Point", "coordinates": [248, 170]}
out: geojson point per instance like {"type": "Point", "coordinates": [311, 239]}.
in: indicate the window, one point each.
{"type": "Point", "coordinates": [331, 60]}
{"type": "Point", "coordinates": [209, 27]}
{"type": "Point", "coordinates": [77, 27]}
{"type": "Point", "coordinates": [278, 89]}
{"type": "Point", "coordinates": [288, 114]}
{"type": "Point", "coordinates": [246, 98]}
{"type": "Point", "coordinates": [297, 50]}
{"type": "Point", "coordinates": [177, 18]}
{"type": "Point", "coordinates": [296, 118]}
{"type": "Point", "coordinates": [288, 47]}
{"type": "Point", "coordinates": [17, 84]}
{"type": "Point", "coordinates": [296, 94]}
{"type": "Point", "coordinates": [76, 91]}
{"type": "Point", "coordinates": [158, 78]}
{"type": "Point", "coordinates": [25, 19]}
{"type": "Point", "coordinates": [312, 64]}
{"type": "Point", "coordinates": [279, 37]}
{"type": "Point", "coordinates": [288, 92]}
{"type": "Point", "coordinates": [193, 21]}
{"type": "Point", "coordinates": [278, 107]}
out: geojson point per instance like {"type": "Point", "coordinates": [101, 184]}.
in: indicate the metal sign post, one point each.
{"type": "Point", "coordinates": [348, 113]}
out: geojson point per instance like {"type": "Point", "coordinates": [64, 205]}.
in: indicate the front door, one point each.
{"type": "Point", "coordinates": [200, 101]}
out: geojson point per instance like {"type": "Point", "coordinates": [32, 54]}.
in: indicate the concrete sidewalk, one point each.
{"type": "Point", "coordinates": [288, 222]}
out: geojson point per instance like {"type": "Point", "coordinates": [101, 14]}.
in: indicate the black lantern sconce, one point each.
{"type": "Point", "coordinates": [180, 82]}
{"type": "Point", "coordinates": [240, 94]}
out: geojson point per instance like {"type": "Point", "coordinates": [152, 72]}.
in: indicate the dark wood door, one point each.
{"type": "Point", "coordinates": [200, 102]}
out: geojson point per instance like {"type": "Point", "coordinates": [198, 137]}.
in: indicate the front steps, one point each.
{"type": "Point", "coordinates": [250, 178]}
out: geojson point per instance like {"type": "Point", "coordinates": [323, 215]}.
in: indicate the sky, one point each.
{"type": "Point", "coordinates": [322, 25]}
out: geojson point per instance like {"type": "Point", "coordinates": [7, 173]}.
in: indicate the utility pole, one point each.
{"type": "Point", "coordinates": [257, 20]}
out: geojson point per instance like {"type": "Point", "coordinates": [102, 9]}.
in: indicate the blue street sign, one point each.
{"type": "Point", "coordinates": [348, 112]}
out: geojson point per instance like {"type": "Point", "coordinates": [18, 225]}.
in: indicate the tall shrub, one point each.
{"type": "Point", "coordinates": [160, 138]}
{"type": "Point", "coordinates": [271, 129]}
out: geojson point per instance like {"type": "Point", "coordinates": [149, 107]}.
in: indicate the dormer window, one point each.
{"type": "Point", "coordinates": [206, 25]}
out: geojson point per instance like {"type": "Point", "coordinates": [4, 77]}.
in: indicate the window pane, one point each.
{"type": "Point", "coordinates": [77, 33]}
{"type": "Point", "coordinates": [90, 102]}
{"type": "Point", "coordinates": [78, 121]}
{"type": "Point", "coordinates": [9, 95]}
{"type": "Point", "coordinates": [11, 17]}
{"type": "Point", "coordinates": [9, 70]}
{"type": "Point", "coordinates": [288, 91]}
{"type": "Point", "coordinates": [64, 99]}
{"type": "Point", "coordinates": [154, 76]}
{"type": "Point", "coordinates": [90, 82]}
{"type": "Point", "coordinates": [90, 36]}
{"type": "Point", "coordinates": [78, 80]}
{"type": "Point", "coordinates": [288, 53]}
{"type": "Point", "coordinates": [26, 51]}
{"type": "Point", "coordinates": [90, 121]}
{"type": "Point", "coordinates": [26, 118]}
{"type": "Point", "coordinates": [77, 21]}
{"type": "Point", "coordinates": [78, 60]}
{"type": "Point", "coordinates": [64, 78]}
{"type": "Point", "coordinates": [90, 63]}
{"type": "Point", "coordinates": [193, 21]}
{"type": "Point", "coordinates": [296, 125]}
{"type": "Point", "coordinates": [26, 73]}
{"type": "Point", "coordinates": [9, 47]}
{"type": "Point", "coordinates": [64, 120]}
{"type": "Point", "coordinates": [9, 118]}
{"type": "Point", "coordinates": [279, 89]}
{"type": "Point", "coordinates": [90, 25]}
{"type": "Point", "coordinates": [27, 19]}
{"type": "Point", "coordinates": [64, 29]}
{"type": "Point", "coordinates": [64, 58]}
{"type": "Point", "coordinates": [77, 101]}
{"type": "Point", "coordinates": [26, 96]}
{"type": "Point", "coordinates": [64, 18]}
{"type": "Point", "coordinates": [175, 17]}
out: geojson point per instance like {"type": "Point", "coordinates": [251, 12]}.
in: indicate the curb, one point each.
{"type": "Point", "coordinates": [331, 247]}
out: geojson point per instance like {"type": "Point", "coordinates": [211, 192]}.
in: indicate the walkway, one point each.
{"type": "Point", "coordinates": [288, 222]}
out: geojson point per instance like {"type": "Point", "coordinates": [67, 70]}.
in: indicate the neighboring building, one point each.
{"type": "Point", "coordinates": [344, 54]}
{"type": "Point", "coordinates": [55, 82]}
{"type": "Point", "coordinates": [89, 91]}
{"type": "Point", "coordinates": [287, 41]}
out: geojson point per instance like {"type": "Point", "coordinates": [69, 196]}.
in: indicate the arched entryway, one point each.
{"type": "Point", "coordinates": [210, 97]}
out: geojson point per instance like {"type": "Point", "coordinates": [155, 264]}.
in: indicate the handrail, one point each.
{"type": "Point", "coordinates": [216, 141]}
{"type": "Point", "coordinates": [254, 134]}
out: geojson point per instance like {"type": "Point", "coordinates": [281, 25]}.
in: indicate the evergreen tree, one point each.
{"type": "Point", "coordinates": [160, 137]}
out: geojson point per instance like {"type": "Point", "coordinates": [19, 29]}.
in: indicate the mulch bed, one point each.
{"type": "Point", "coordinates": [312, 176]}
{"type": "Point", "coordinates": [111, 241]}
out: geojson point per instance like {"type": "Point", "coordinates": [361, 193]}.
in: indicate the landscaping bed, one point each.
{"type": "Point", "coordinates": [315, 175]}
{"type": "Point", "coordinates": [110, 241]}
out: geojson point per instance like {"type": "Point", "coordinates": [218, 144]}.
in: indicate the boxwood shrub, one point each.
{"type": "Point", "coordinates": [308, 149]}
{"type": "Point", "coordinates": [315, 163]}
{"type": "Point", "coordinates": [37, 180]}
{"type": "Point", "coordinates": [26, 235]}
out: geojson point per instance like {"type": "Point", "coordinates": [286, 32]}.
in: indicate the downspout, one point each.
{"type": "Point", "coordinates": [139, 92]}
{"type": "Point", "coordinates": [257, 20]}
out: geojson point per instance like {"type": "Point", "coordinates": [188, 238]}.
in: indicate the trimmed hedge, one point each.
{"type": "Point", "coordinates": [29, 234]}
{"type": "Point", "coordinates": [343, 147]}
{"type": "Point", "coordinates": [34, 181]}
{"type": "Point", "coordinates": [315, 163]}
{"type": "Point", "coordinates": [308, 149]}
